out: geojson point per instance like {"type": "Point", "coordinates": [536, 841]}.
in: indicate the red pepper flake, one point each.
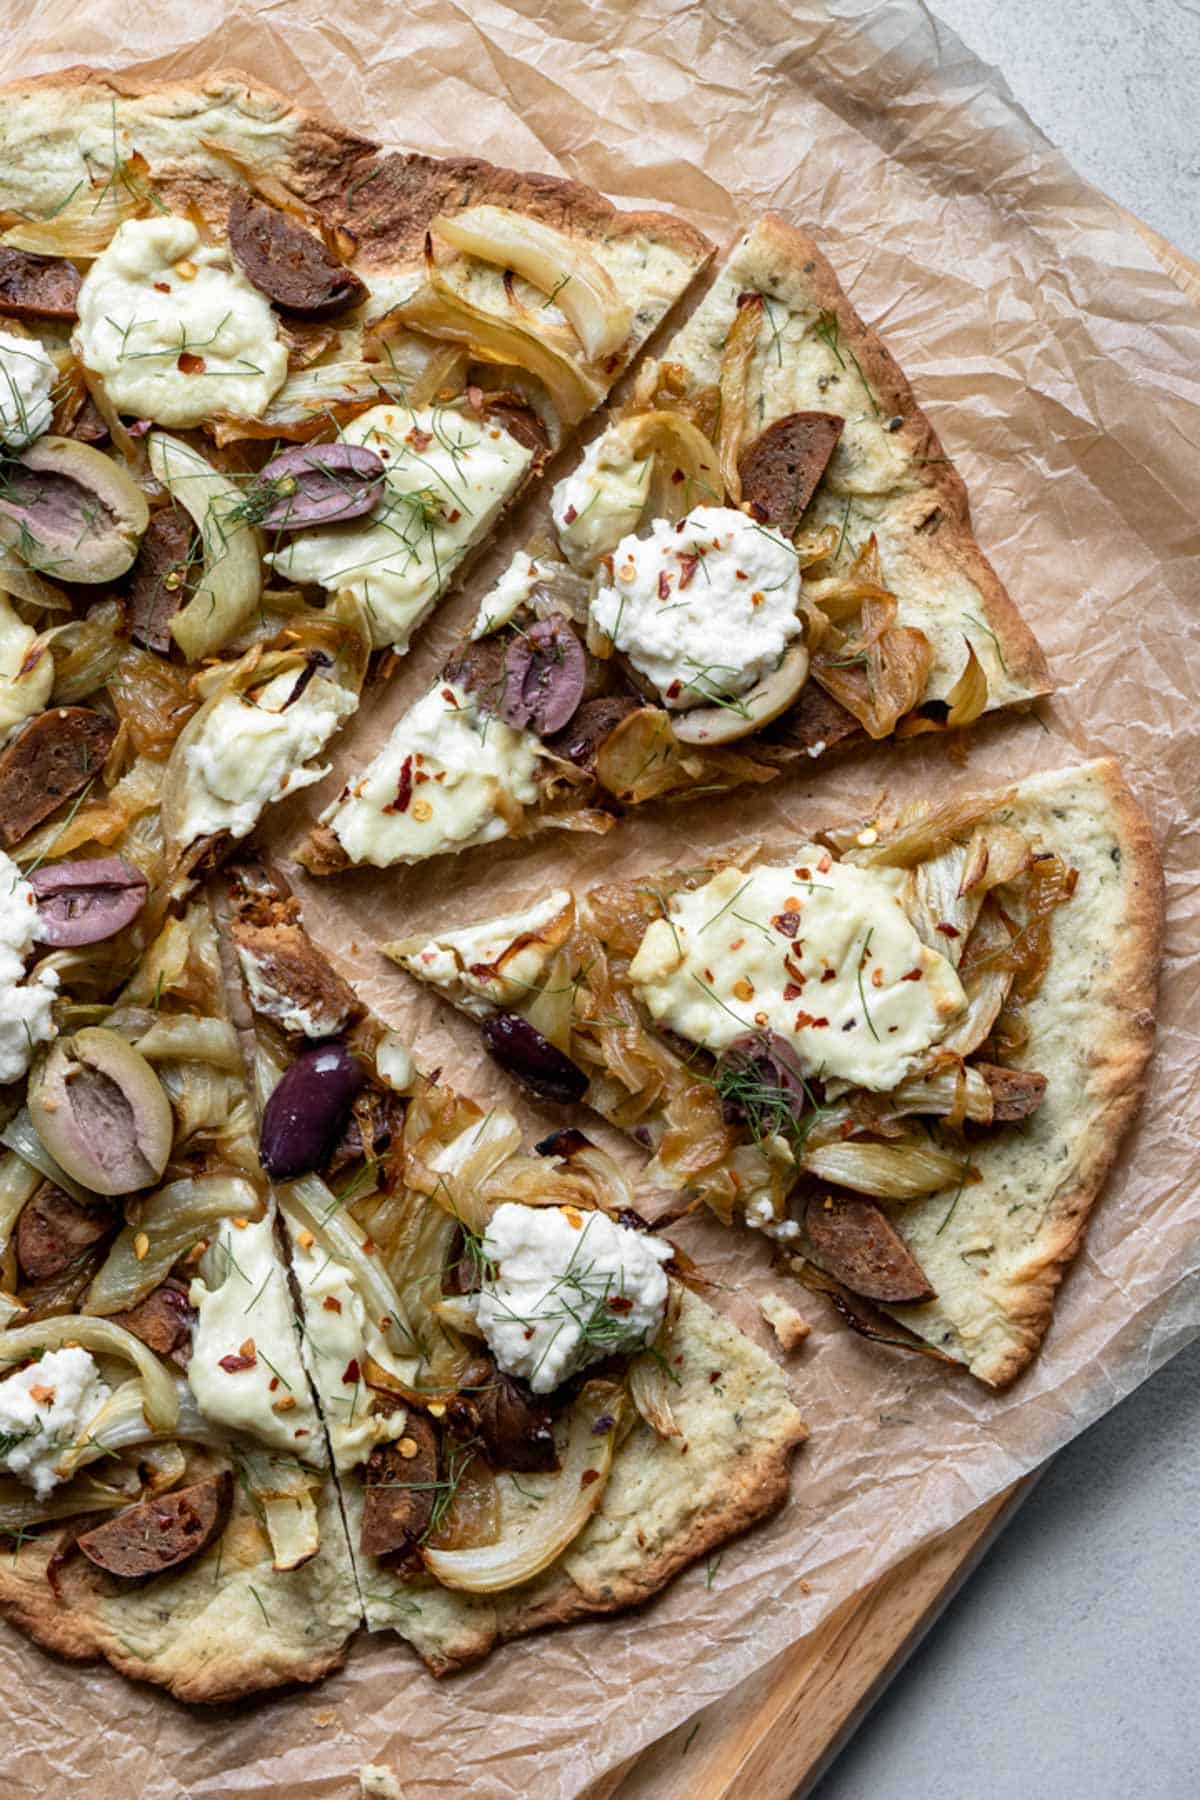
{"type": "Point", "coordinates": [448, 695]}
{"type": "Point", "coordinates": [741, 574]}
{"type": "Point", "coordinates": [825, 864]}
{"type": "Point", "coordinates": [829, 975]}
{"type": "Point", "coordinates": [674, 690]}
{"type": "Point", "coordinates": [714, 1375]}
{"type": "Point", "coordinates": [619, 1303]}
{"type": "Point", "coordinates": [803, 1019]}
{"type": "Point", "coordinates": [664, 585]}
{"type": "Point", "coordinates": [677, 475]}
{"type": "Point", "coordinates": [454, 515]}
{"type": "Point", "coordinates": [688, 564]}
{"type": "Point", "coordinates": [162, 287]}
{"type": "Point", "coordinates": [233, 1363]}
{"type": "Point", "coordinates": [588, 1476]}
{"type": "Point", "coordinates": [914, 975]}
{"type": "Point", "coordinates": [570, 515]}
{"type": "Point", "coordinates": [331, 1303]}
{"type": "Point", "coordinates": [187, 364]}
{"type": "Point", "coordinates": [273, 1383]}
{"type": "Point", "coordinates": [404, 788]}
{"type": "Point", "coordinates": [804, 874]}
{"type": "Point", "coordinates": [792, 992]}
{"type": "Point", "coordinates": [787, 924]}
{"type": "Point", "coordinates": [818, 1023]}
{"type": "Point", "coordinates": [420, 440]}
{"type": "Point", "coordinates": [950, 931]}
{"type": "Point", "coordinates": [352, 1373]}
{"type": "Point", "coordinates": [421, 775]}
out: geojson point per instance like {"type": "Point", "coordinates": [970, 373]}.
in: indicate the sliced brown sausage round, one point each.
{"type": "Point", "coordinates": [400, 1490]}
{"type": "Point", "coordinates": [156, 581]}
{"type": "Point", "coordinates": [595, 720]}
{"type": "Point", "coordinates": [55, 756]}
{"type": "Point", "coordinates": [478, 667]}
{"type": "Point", "coordinates": [1016, 1093]}
{"type": "Point", "coordinates": [817, 721]}
{"type": "Point", "coordinates": [53, 1230]}
{"type": "Point", "coordinates": [163, 1320]}
{"type": "Point", "coordinates": [163, 1532]}
{"type": "Point", "coordinates": [854, 1240]}
{"type": "Point", "coordinates": [519, 419]}
{"type": "Point", "coordinates": [516, 1429]}
{"type": "Point", "coordinates": [294, 975]}
{"type": "Point", "coordinates": [288, 264]}
{"type": "Point", "coordinates": [780, 470]}
{"type": "Point", "coordinates": [37, 287]}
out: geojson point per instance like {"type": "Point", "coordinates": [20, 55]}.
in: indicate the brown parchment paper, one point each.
{"type": "Point", "coordinates": [1062, 369]}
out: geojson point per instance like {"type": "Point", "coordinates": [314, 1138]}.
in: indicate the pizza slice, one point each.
{"type": "Point", "coordinates": [905, 1050]}
{"type": "Point", "coordinates": [765, 555]}
{"type": "Point", "coordinates": [165, 1494]}
{"type": "Point", "coordinates": [516, 1371]}
{"type": "Point", "coordinates": [265, 388]}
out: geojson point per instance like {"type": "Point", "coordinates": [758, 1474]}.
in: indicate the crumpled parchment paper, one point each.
{"type": "Point", "coordinates": [1061, 367]}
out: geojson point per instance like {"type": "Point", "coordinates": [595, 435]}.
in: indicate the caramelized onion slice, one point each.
{"type": "Point", "coordinates": [736, 361]}
{"type": "Point", "coordinates": [532, 1537]}
{"type": "Point", "coordinates": [160, 1399]}
{"type": "Point", "coordinates": [583, 291]}
{"type": "Point", "coordinates": [284, 1494]}
{"type": "Point", "coordinates": [231, 583]}
{"type": "Point", "coordinates": [167, 1226]}
{"type": "Point", "coordinates": [85, 221]}
{"type": "Point", "coordinates": [885, 1171]}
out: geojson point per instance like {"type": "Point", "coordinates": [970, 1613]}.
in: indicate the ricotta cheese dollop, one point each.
{"type": "Point", "coordinates": [175, 329]}
{"type": "Point", "coordinates": [448, 476]}
{"type": "Point", "coordinates": [25, 1016]}
{"type": "Point", "coordinates": [510, 592]}
{"type": "Point", "coordinates": [703, 609]}
{"type": "Point", "coordinates": [821, 952]}
{"type": "Point", "coordinates": [252, 752]}
{"type": "Point", "coordinates": [27, 376]}
{"type": "Point", "coordinates": [246, 1372]}
{"type": "Point", "coordinates": [43, 1409]}
{"type": "Point", "coordinates": [566, 1288]}
{"type": "Point", "coordinates": [601, 500]}
{"type": "Point", "coordinates": [449, 776]}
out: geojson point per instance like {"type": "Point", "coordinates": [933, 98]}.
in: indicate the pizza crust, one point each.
{"type": "Point", "coordinates": [997, 1261]}
{"type": "Point", "coordinates": [668, 1502]}
{"type": "Point", "coordinates": [224, 1626]}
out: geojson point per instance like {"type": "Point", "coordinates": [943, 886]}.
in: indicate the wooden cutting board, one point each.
{"type": "Point", "coordinates": [774, 1736]}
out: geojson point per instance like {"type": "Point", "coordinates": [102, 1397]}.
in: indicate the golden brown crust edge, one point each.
{"type": "Point", "coordinates": [1119, 1066]}
{"type": "Point", "coordinates": [1021, 652]}
{"type": "Point", "coordinates": [397, 191]}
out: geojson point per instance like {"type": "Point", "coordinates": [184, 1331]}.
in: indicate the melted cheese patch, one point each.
{"type": "Point", "coordinates": [338, 1337]}
{"type": "Point", "coordinates": [448, 777]}
{"type": "Point", "coordinates": [823, 953]}
{"type": "Point", "coordinates": [601, 500]}
{"type": "Point", "coordinates": [484, 968]}
{"type": "Point", "coordinates": [249, 1315]}
{"type": "Point", "coordinates": [178, 334]}
{"type": "Point", "coordinates": [448, 476]}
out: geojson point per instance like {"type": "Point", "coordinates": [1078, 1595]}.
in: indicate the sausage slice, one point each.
{"type": "Point", "coordinates": [1015, 1092]}
{"type": "Point", "coordinates": [854, 1240]}
{"type": "Point", "coordinates": [516, 1428]}
{"type": "Point", "coordinates": [156, 581]}
{"type": "Point", "coordinates": [55, 756]}
{"type": "Point", "coordinates": [400, 1491]}
{"type": "Point", "coordinates": [163, 1320]}
{"type": "Point", "coordinates": [37, 287]}
{"type": "Point", "coordinates": [288, 264]}
{"type": "Point", "coordinates": [780, 470]}
{"type": "Point", "coordinates": [579, 742]}
{"type": "Point", "coordinates": [518, 418]}
{"type": "Point", "coordinates": [53, 1230]}
{"type": "Point", "coordinates": [162, 1532]}
{"type": "Point", "coordinates": [817, 721]}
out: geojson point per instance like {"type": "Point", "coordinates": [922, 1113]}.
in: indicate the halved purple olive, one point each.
{"type": "Point", "coordinates": [763, 1082]}
{"type": "Point", "coordinates": [86, 902]}
{"type": "Point", "coordinates": [307, 1112]}
{"type": "Point", "coordinates": [319, 484]}
{"type": "Point", "coordinates": [544, 676]}
{"type": "Point", "coordinates": [521, 1050]}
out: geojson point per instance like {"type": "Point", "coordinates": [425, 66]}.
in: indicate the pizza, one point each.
{"type": "Point", "coordinates": [515, 1372]}
{"type": "Point", "coordinates": [905, 1050]}
{"type": "Point", "coordinates": [765, 555]}
{"type": "Point", "coordinates": [267, 388]}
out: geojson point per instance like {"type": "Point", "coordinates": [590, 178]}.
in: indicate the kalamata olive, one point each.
{"type": "Point", "coordinates": [319, 484]}
{"type": "Point", "coordinates": [763, 1082]}
{"type": "Point", "coordinates": [544, 676]}
{"type": "Point", "coordinates": [101, 1112]}
{"type": "Point", "coordinates": [86, 902]}
{"type": "Point", "coordinates": [521, 1050]}
{"type": "Point", "coordinates": [305, 1115]}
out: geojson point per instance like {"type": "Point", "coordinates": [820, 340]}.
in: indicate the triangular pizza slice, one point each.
{"type": "Point", "coordinates": [905, 1050]}
{"type": "Point", "coordinates": [516, 1371]}
{"type": "Point", "coordinates": [765, 555]}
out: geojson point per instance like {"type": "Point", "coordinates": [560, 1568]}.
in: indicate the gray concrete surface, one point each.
{"type": "Point", "coordinates": [1067, 1668]}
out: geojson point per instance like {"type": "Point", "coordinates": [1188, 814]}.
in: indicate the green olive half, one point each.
{"type": "Point", "coordinates": [102, 1112]}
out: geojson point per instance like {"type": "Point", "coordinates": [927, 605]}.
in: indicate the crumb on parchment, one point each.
{"type": "Point", "coordinates": [790, 1327]}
